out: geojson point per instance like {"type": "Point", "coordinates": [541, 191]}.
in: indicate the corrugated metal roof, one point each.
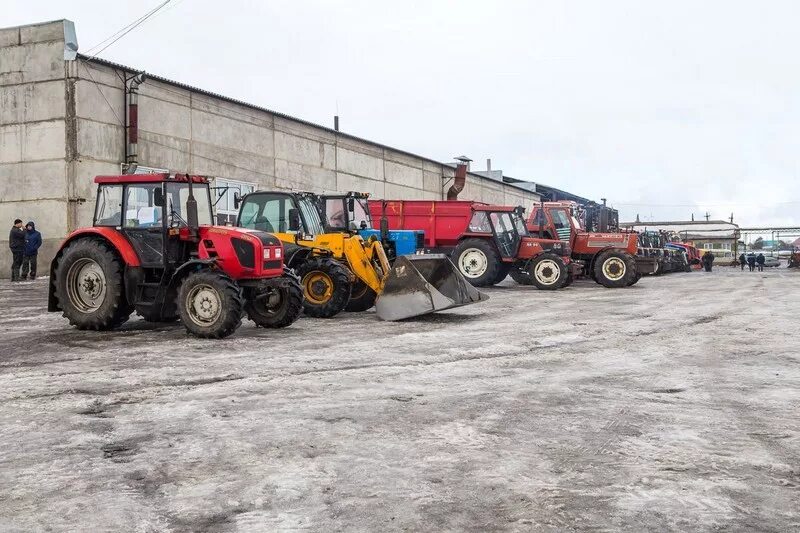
{"type": "Point", "coordinates": [174, 83]}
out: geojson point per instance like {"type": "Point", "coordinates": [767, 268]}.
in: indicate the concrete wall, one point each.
{"type": "Point", "coordinates": [33, 135]}
{"type": "Point", "coordinates": [62, 123]}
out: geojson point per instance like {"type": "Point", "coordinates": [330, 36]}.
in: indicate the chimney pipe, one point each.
{"type": "Point", "coordinates": [132, 155]}
{"type": "Point", "coordinates": [460, 179]}
{"type": "Point", "coordinates": [489, 167]}
{"type": "Point", "coordinates": [336, 122]}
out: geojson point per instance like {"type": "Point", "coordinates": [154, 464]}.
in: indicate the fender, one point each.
{"type": "Point", "coordinates": [187, 268]}
{"type": "Point", "coordinates": [111, 235]}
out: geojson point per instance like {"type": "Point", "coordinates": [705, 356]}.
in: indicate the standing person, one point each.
{"type": "Point", "coordinates": [33, 240]}
{"type": "Point", "coordinates": [751, 262]}
{"type": "Point", "coordinates": [760, 260]}
{"type": "Point", "coordinates": [708, 261]}
{"type": "Point", "coordinates": [16, 242]}
{"type": "Point", "coordinates": [742, 261]}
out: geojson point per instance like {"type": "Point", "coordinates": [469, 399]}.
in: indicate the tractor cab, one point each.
{"type": "Point", "coordinates": [507, 226]}
{"type": "Point", "coordinates": [554, 221]}
{"type": "Point", "coordinates": [350, 213]}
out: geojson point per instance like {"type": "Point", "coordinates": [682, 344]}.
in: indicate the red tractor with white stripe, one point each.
{"type": "Point", "coordinates": [153, 250]}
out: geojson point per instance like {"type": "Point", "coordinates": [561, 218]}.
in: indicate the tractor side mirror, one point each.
{"type": "Point", "coordinates": [351, 205]}
{"type": "Point", "coordinates": [294, 220]}
{"type": "Point", "coordinates": [158, 196]}
{"type": "Point", "coordinates": [237, 200]}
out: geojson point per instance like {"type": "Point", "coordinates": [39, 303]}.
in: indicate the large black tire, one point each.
{"type": "Point", "coordinates": [210, 304]}
{"type": "Point", "coordinates": [478, 261]}
{"type": "Point", "coordinates": [521, 276]}
{"type": "Point", "coordinates": [276, 307]}
{"type": "Point", "coordinates": [548, 272]}
{"type": "Point", "coordinates": [326, 287]}
{"type": "Point", "coordinates": [89, 286]}
{"type": "Point", "coordinates": [570, 279]}
{"type": "Point", "coordinates": [361, 298]}
{"type": "Point", "coordinates": [614, 269]}
{"type": "Point", "coordinates": [502, 272]}
{"type": "Point", "coordinates": [635, 279]}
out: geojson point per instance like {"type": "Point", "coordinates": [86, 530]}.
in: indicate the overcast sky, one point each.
{"type": "Point", "coordinates": [664, 108]}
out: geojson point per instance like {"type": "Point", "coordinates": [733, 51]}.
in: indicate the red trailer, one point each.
{"type": "Point", "coordinates": [486, 242]}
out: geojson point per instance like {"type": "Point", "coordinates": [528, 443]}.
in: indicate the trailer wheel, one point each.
{"type": "Point", "coordinates": [89, 286]}
{"type": "Point", "coordinates": [210, 304]}
{"type": "Point", "coordinates": [614, 269]}
{"type": "Point", "coordinates": [478, 261]}
{"type": "Point", "coordinates": [326, 287]}
{"type": "Point", "coordinates": [548, 272]}
{"type": "Point", "coordinates": [361, 298]}
{"type": "Point", "coordinates": [276, 307]}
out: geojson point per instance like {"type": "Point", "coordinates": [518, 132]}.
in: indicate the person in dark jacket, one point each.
{"type": "Point", "coordinates": [708, 261]}
{"type": "Point", "coordinates": [33, 240]}
{"type": "Point", "coordinates": [743, 260]}
{"type": "Point", "coordinates": [16, 242]}
{"type": "Point", "coordinates": [751, 262]}
{"type": "Point", "coordinates": [760, 260]}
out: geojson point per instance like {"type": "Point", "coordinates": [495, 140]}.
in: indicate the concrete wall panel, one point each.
{"type": "Point", "coordinates": [292, 127]}
{"type": "Point", "coordinates": [159, 151]}
{"type": "Point", "coordinates": [231, 133]}
{"type": "Point", "coordinates": [292, 175]}
{"type": "Point", "coordinates": [359, 164]}
{"type": "Point", "coordinates": [32, 102]}
{"type": "Point", "coordinates": [223, 162]}
{"type": "Point", "coordinates": [37, 33]}
{"type": "Point", "coordinates": [99, 141]}
{"type": "Point", "coordinates": [299, 150]}
{"type": "Point", "coordinates": [32, 181]}
{"type": "Point", "coordinates": [348, 182]}
{"type": "Point", "coordinates": [89, 102]}
{"type": "Point", "coordinates": [164, 118]}
{"type": "Point", "coordinates": [32, 62]}
{"type": "Point", "coordinates": [432, 182]}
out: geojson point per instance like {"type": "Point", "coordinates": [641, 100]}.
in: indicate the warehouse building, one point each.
{"type": "Point", "coordinates": [66, 118]}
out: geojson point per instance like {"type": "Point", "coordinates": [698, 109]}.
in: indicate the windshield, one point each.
{"type": "Point", "coordinates": [337, 217]}
{"type": "Point", "coordinates": [310, 216]}
{"type": "Point", "coordinates": [178, 194]}
{"type": "Point", "coordinates": [560, 218]}
{"type": "Point", "coordinates": [519, 222]}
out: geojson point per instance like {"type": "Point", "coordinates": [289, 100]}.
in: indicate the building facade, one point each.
{"type": "Point", "coordinates": [65, 118]}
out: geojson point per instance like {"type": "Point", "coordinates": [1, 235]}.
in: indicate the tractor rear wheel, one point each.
{"type": "Point", "coordinates": [502, 272]}
{"type": "Point", "coordinates": [210, 304]}
{"type": "Point", "coordinates": [361, 298]}
{"type": "Point", "coordinates": [89, 286]}
{"type": "Point", "coordinates": [276, 307]}
{"type": "Point", "coordinates": [614, 269]}
{"type": "Point", "coordinates": [635, 279]}
{"type": "Point", "coordinates": [326, 287]}
{"type": "Point", "coordinates": [478, 261]}
{"type": "Point", "coordinates": [548, 272]}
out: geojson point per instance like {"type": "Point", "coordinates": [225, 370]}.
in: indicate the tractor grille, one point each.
{"type": "Point", "coordinates": [245, 251]}
{"type": "Point", "coordinates": [563, 234]}
{"type": "Point", "coordinates": [272, 265]}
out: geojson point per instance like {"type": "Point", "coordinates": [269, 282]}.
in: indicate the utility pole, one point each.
{"type": "Point", "coordinates": [707, 216]}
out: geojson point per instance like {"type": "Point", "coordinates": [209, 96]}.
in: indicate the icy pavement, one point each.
{"type": "Point", "coordinates": [672, 405]}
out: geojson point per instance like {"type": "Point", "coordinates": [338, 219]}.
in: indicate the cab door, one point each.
{"type": "Point", "coordinates": [143, 222]}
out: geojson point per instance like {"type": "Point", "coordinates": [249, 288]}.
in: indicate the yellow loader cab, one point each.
{"type": "Point", "coordinates": [338, 271]}
{"type": "Point", "coordinates": [341, 271]}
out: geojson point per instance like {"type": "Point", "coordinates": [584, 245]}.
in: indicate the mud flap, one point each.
{"type": "Point", "coordinates": [422, 284]}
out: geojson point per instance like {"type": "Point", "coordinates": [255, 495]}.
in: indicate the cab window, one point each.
{"type": "Point", "coordinates": [108, 211]}
{"type": "Point", "coordinates": [480, 223]}
{"type": "Point", "coordinates": [266, 212]}
{"type": "Point", "coordinates": [335, 216]}
{"type": "Point", "coordinates": [140, 209]}
{"type": "Point", "coordinates": [560, 218]}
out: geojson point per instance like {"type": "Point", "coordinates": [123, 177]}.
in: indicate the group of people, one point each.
{"type": "Point", "coordinates": [24, 242]}
{"type": "Point", "coordinates": [753, 261]}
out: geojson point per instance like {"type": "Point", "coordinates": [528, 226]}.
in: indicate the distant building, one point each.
{"type": "Point", "coordinates": [719, 236]}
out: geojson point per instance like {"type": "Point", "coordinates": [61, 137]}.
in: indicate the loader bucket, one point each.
{"type": "Point", "coordinates": [422, 284]}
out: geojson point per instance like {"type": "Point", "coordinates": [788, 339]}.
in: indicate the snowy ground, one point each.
{"type": "Point", "coordinates": [672, 405]}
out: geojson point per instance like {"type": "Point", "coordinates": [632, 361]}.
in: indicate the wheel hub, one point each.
{"type": "Point", "coordinates": [614, 268]}
{"type": "Point", "coordinates": [318, 287]}
{"type": "Point", "coordinates": [547, 272]}
{"type": "Point", "coordinates": [86, 285]}
{"type": "Point", "coordinates": [473, 263]}
{"type": "Point", "coordinates": [204, 305]}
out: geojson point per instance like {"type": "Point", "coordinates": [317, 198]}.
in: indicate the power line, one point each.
{"type": "Point", "coordinates": [703, 204]}
{"type": "Point", "coordinates": [119, 34]}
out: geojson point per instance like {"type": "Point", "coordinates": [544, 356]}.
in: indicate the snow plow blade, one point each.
{"type": "Point", "coordinates": [422, 284]}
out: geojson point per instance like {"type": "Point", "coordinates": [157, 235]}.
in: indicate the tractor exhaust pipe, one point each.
{"type": "Point", "coordinates": [191, 211]}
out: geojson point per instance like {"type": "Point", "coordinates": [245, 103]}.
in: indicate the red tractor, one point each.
{"type": "Point", "coordinates": [486, 242]}
{"type": "Point", "coordinates": [153, 250]}
{"type": "Point", "coordinates": [610, 258]}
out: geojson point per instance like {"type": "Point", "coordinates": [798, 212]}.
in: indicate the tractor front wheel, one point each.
{"type": "Point", "coordinates": [614, 269]}
{"type": "Point", "coordinates": [361, 298]}
{"type": "Point", "coordinates": [276, 307]}
{"type": "Point", "coordinates": [326, 287]}
{"type": "Point", "coordinates": [210, 304]}
{"type": "Point", "coordinates": [478, 261]}
{"type": "Point", "coordinates": [89, 286]}
{"type": "Point", "coordinates": [548, 272]}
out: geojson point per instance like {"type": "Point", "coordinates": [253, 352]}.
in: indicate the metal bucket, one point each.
{"type": "Point", "coordinates": [422, 284]}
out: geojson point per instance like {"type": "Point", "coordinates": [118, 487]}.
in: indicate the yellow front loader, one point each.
{"type": "Point", "coordinates": [341, 271]}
